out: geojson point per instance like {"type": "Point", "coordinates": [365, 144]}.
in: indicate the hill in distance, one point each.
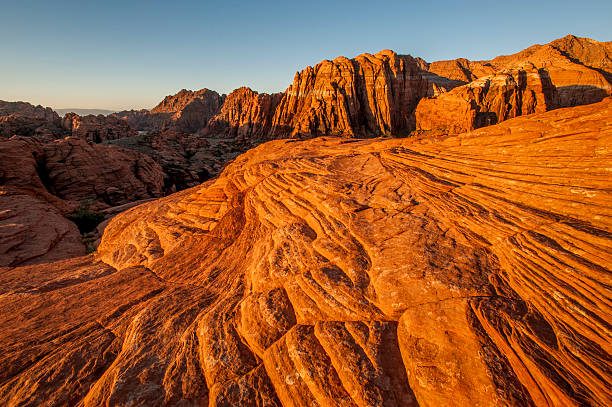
{"type": "Point", "coordinates": [85, 112]}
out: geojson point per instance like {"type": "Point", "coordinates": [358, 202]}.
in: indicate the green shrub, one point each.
{"type": "Point", "coordinates": [85, 218]}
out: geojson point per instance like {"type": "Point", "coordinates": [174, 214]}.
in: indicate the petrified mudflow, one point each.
{"type": "Point", "coordinates": [467, 270]}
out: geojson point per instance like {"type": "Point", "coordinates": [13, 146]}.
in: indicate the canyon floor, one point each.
{"type": "Point", "coordinates": [455, 270]}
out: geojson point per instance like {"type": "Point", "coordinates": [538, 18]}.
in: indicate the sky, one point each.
{"type": "Point", "coordinates": [130, 54]}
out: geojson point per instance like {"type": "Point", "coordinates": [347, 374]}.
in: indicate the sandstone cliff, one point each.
{"type": "Point", "coordinates": [580, 68]}
{"type": "Point", "coordinates": [470, 270]}
{"type": "Point", "coordinates": [489, 100]}
{"type": "Point", "coordinates": [245, 116]}
{"type": "Point", "coordinates": [188, 110]}
{"type": "Point", "coordinates": [366, 96]}
{"type": "Point", "coordinates": [372, 95]}
{"type": "Point", "coordinates": [27, 110]}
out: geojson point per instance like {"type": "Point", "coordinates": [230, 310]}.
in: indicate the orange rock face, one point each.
{"type": "Point", "coordinates": [245, 115]}
{"type": "Point", "coordinates": [580, 68]}
{"type": "Point", "coordinates": [373, 95]}
{"type": "Point", "coordinates": [467, 270]}
{"type": "Point", "coordinates": [489, 100]}
{"type": "Point", "coordinates": [365, 96]}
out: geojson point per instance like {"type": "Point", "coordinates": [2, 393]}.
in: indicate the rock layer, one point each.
{"type": "Point", "coordinates": [466, 270]}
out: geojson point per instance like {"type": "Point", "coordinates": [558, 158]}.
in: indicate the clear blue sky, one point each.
{"type": "Point", "coordinates": [130, 54]}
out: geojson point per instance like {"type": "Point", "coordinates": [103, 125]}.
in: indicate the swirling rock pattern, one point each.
{"type": "Point", "coordinates": [467, 270]}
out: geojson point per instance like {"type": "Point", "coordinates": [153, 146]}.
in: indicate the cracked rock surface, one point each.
{"type": "Point", "coordinates": [466, 270]}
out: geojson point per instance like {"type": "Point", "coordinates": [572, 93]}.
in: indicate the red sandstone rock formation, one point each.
{"type": "Point", "coordinates": [38, 128]}
{"type": "Point", "coordinates": [471, 270]}
{"type": "Point", "coordinates": [189, 111]}
{"type": "Point", "coordinates": [141, 120]}
{"type": "Point", "coordinates": [41, 183]}
{"type": "Point", "coordinates": [372, 95]}
{"type": "Point", "coordinates": [488, 100]}
{"type": "Point", "coordinates": [580, 68]}
{"type": "Point", "coordinates": [97, 129]}
{"type": "Point", "coordinates": [365, 96]}
{"type": "Point", "coordinates": [245, 116]}
{"type": "Point", "coordinates": [25, 119]}
{"type": "Point", "coordinates": [27, 110]}
{"type": "Point", "coordinates": [77, 170]}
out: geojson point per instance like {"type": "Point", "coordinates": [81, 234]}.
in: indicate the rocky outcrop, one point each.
{"type": "Point", "coordinates": [141, 120]}
{"type": "Point", "coordinates": [40, 129]}
{"type": "Point", "coordinates": [371, 95]}
{"type": "Point", "coordinates": [461, 69]}
{"type": "Point", "coordinates": [366, 96]}
{"type": "Point", "coordinates": [76, 170]}
{"type": "Point", "coordinates": [25, 119]}
{"type": "Point", "coordinates": [32, 226]}
{"type": "Point", "coordinates": [489, 100]}
{"type": "Point", "coordinates": [246, 116]}
{"type": "Point", "coordinates": [27, 110]}
{"type": "Point", "coordinates": [189, 111]}
{"type": "Point", "coordinates": [97, 129]}
{"type": "Point", "coordinates": [42, 183]}
{"type": "Point", "coordinates": [470, 270]}
{"type": "Point", "coordinates": [186, 159]}
{"type": "Point", "coordinates": [580, 68]}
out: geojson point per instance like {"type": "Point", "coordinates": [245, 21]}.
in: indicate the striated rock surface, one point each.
{"type": "Point", "coordinates": [364, 96]}
{"type": "Point", "coordinates": [32, 226]}
{"type": "Point", "coordinates": [245, 116]}
{"type": "Point", "coordinates": [97, 129]}
{"type": "Point", "coordinates": [471, 270]}
{"type": "Point", "coordinates": [489, 100]}
{"type": "Point", "coordinates": [372, 95]}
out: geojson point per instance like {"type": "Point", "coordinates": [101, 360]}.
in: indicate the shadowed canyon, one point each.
{"type": "Point", "coordinates": [386, 232]}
